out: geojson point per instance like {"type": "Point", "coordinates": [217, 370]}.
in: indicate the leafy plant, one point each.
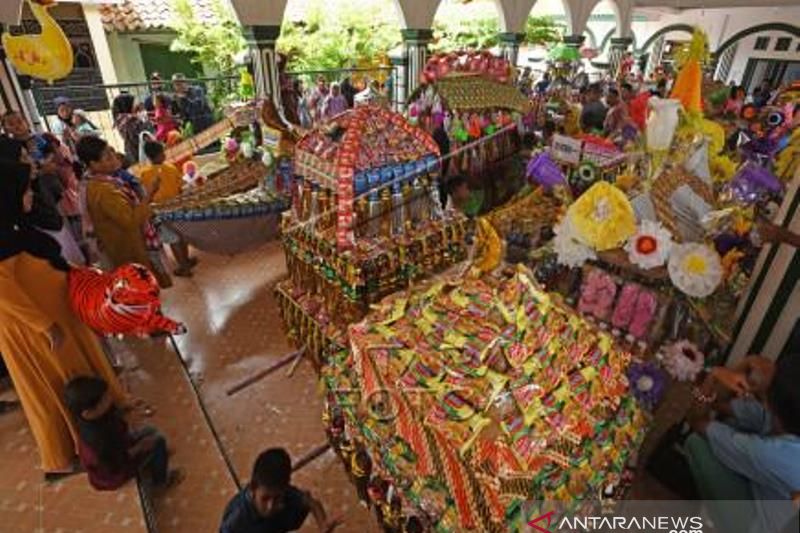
{"type": "Point", "coordinates": [338, 34]}
{"type": "Point", "coordinates": [214, 45]}
{"type": "Point", "coordinates": [543, 30]}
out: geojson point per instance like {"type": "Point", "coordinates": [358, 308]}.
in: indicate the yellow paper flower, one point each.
{"type": "Point", "coordinates": [603, 217]}
{"type": "Point", "coordinates": [695, 269]}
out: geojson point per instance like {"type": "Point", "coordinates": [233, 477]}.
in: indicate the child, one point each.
{"type": "Point", "coordinates": [120, 215]}
{"type": "Point", "coordinates": [457, 193]}
{"type": "Point", "coordinates": [163, 119]}
{"type": "Point", "coordinates": [83, 126]}
{"type": "Point", "coordinates": [271, 503]}
{"type": "Point", "coordinates": [171, 182]}
{"type": "Point", "coordinates": [111, 453]}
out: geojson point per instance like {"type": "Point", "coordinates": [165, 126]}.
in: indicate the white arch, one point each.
{"type": "Point", "coordinates": [417, 14]}
{"type": "Point", "coordinates": [259, 12]}
{"type": "Point", "coordinates": [623, 11]}
{"type": "Point", "coordinates": [578, 12]}
{"type": "Point", "coordinates": [514, 14]}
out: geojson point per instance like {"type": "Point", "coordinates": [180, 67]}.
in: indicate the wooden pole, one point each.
{"type": "Point", "coordinates": [311, 456]}
{"type": "Point", "coordinates": [283, 361]}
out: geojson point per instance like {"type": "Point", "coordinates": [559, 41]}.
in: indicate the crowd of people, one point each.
{"type": "Point", "coordinates": [308, 106]}
{"type": "Point", "coordinates": [69, 200]}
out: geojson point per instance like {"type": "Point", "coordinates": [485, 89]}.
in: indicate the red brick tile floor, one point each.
{"type": "Point", "coordinates": [234, 331]}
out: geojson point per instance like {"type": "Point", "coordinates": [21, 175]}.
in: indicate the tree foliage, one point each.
{"type": "Point", "coordinates": [213, 45]}
{"type": "Point", "coordinates": [543, 31]}
{"type": "Point", "coordinates": [338, 34]}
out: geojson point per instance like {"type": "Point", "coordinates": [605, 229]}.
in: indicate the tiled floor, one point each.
{"type": "Point", "coordinates": [29, 505]}
{"type": "Point", "coordinates": [234, 331]}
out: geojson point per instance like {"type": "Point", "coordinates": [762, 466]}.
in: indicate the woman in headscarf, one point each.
{"type": "Point", "coordinates": [129, 124]}
{"type": "Point", "coordinates": [63, 126]}
{"type": "Point", "coordinates": [43, 343]}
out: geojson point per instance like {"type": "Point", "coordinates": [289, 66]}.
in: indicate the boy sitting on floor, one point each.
{"type": "Point", "coordinates": [171, 183]}
{"type": "Point", "coordinates": [270, 504]}
{"type": "Point", "coordinates": [751, 453]}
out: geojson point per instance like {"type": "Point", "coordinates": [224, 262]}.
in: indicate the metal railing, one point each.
{"type": "Point", "coordinates": [96, 100]}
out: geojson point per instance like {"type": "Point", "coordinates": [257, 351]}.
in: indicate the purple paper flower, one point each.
{"type": "Point", "coordinates": [647, 382]}
{"type": "Point", "coordinates": [753, 182]}
{"type": "Point", "coordinates": [543, 170]}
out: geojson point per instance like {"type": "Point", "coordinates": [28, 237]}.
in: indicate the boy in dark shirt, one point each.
{"type": "Point", "coordinates": [270, 503]}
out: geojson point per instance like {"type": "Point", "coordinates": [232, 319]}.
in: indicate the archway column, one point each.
{"type": "Point", "coordinates": [399, 62]}
{"type": "Point", "coordinates": [261, 41]}
{"type": "Point", "coordinates": [574, 41]}
{"type": "Point", "coordinates": [619, 45]}
{"type": "Point", "coordinates": [415, 45]}
{"type": "Point", "coordinates": [509, 46]}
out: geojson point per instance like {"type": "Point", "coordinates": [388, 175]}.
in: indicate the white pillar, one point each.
{"type": "Point", "coordinates": [509, 46]}
{"type": "Point", "coordinates": [261, 40]}
{"type": "Point", "coordinates": [102, 50]}
{"type": "Point", "coordinates": [399, 95]}
{"type": "Point", "coordinates": [416, 48]}
{"type": "Point", "coordinates": [619, 45]}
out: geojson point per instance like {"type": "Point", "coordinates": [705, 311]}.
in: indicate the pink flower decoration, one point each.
{"type": "Point", "coordinates": [626, 306]}
{"type": "Point", "coordinates": [646, 306]}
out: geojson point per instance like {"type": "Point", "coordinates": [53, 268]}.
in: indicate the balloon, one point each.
{"type": "Point", "coordinates": [122, 302]}
{"type": "Point", "coordinates": [47, 56]}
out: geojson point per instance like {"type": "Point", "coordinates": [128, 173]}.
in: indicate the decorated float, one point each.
{"type": "Point", "coordinates": [458, 402]}
{"type": "Point", "coordinates": [658, 254]}
{"type": "Point", "coordinates": [470, 96]}
{"type": "Point", "coordinates": [231, 201]}
{"type": "Point", "coordinates": [365, 221]}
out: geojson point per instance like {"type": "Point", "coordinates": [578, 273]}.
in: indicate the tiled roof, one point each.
{"type": "Point", "coordinates": [140, 15]}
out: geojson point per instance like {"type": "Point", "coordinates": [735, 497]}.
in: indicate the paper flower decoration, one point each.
{"type": "Point", "coordinates": [650, 246]}
{"type": "Point", "coordinates": [752, 183]}
{"type": "Point", "coordinates": [602, 217]}
{"type": "Point", "coordinates": [682, 360]}
{"type": "Point", "coordinates": [695, 269]}
{"type": "Point", "coordinates": [544, 171]}
{"type": "Point", "coordinates": [647, 383]}
{"type": "Point", "coordinates": [569, 250]}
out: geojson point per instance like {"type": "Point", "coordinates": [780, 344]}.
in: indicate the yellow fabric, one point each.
{"type": "Point", "coordinates": [117, 224]}
{"type": "Point", "coordinates": [33, 296]}
{"type": "Point", "coordinates": [171, 181]}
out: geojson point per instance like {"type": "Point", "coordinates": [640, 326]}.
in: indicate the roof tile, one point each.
{"type": "Point", "coordinates": [140, 15]}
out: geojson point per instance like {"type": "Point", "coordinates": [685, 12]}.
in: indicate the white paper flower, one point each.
{"type": "Point", "coordinates": [695, 269]}
{"type": "Point", "coordinates": [650, 245]}
{"type": "Point", "coordinates": [569, 250]}
{"type": "Point", "coordinates": [682, 360]}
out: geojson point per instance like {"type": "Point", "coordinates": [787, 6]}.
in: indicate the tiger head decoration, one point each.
{"type": "Point", "coordinates": [123, 302]}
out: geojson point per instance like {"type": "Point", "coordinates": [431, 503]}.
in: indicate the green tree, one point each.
{"type": "Point", "coordinates": [212, 45]}
{"type": "Point", "coordinates": [339, 33]}
{"type": "Point", "coordinates": [543, 30]}
{"type": "Point", "coordinates": [473, 34]}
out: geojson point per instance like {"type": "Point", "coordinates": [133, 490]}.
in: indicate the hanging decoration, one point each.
{"type": "Point", "coordinates": [46, 56]}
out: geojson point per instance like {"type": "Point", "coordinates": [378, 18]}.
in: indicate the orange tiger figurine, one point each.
{"type": "Point", "coordinates": [122, 302]}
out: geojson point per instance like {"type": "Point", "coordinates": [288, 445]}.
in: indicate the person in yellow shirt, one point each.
{"type": "Point", "coordinates": [171, 182]}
